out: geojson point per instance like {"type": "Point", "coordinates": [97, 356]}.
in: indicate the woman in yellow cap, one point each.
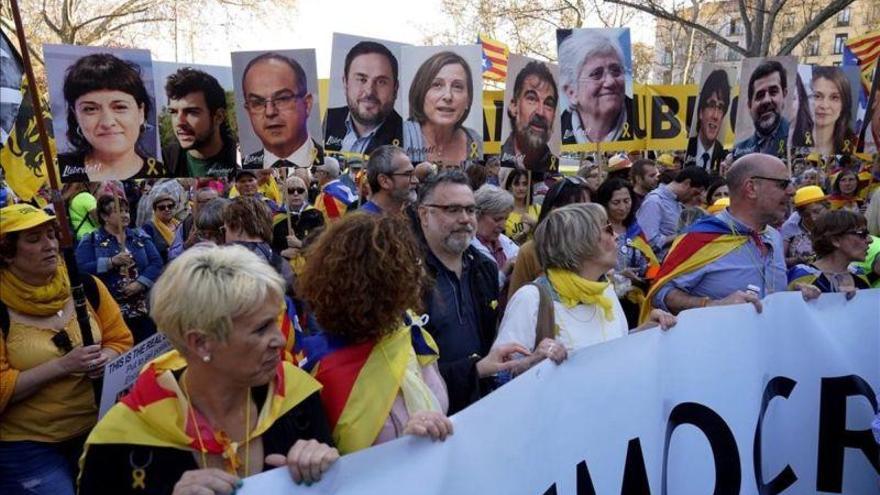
{"type": "Point", "coordinates": [810, 202]}
{"type": "Point", "coordinates": [47, 404]}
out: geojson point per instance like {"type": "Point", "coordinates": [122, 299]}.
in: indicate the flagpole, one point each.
{"type": "Point", "coordinates": [65, 234]}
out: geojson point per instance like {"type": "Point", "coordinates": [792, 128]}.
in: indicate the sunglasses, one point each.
{"type": "Point", "coordinates": [780, 183]}
{"type": "Point", "coordinates": [165, 206]}
{"type": "Point", "coordinates": [296, 190]}
{"type": "Point", "coordinates": [861, 233]}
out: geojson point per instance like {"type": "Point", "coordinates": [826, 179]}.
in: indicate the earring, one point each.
{"type": "Point", "coordinates": [80, 132]}
{"type": "Point", "coordinates": [206, 358]}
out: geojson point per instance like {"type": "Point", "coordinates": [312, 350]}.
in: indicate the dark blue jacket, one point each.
{"type": "Point", "coordinates": [95, 250]}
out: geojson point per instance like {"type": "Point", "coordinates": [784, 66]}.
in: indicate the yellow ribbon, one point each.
{"type": "Point", "coordinates": [808, 138]}
{"type": "Point", "coordinates": [846, 146]}
{"type": "Point", "coordinates": [151, 167]}
{"type": "Point", "coordinates": [574, 289]}
{"type": "Point", "coordinates": [138, 479]}
{"type": "Point", "coordinates": [625, 133]}
{"type": "Point", "coordinates": [781, 147]}
{"type": "Point", "coordinates": [474, 152]}
{"type": "Point", "coordinates": [395, 142]}
{"type": "Point", "coordinates": [314, 154]}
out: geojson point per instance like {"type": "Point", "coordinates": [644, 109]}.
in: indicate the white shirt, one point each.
{"type": "Point", "coordinates": [302, 157]}
{"type": "Point", "coordinates": [701, 151]}
{"type": "Point", "coordinates": [580, 326]}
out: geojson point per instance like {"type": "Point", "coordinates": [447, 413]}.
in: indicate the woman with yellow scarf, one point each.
{"type": "Point", "coordinates": [223, 405]}
{"type": "Point", "coordinates": [577, 247]}
{"type": "Point", "coordinates": [163, 225]}
{"type": "Point", "coordinates": [47, 404]}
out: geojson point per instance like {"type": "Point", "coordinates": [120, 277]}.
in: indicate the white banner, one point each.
{"type": "Point", "coordinates": [727, 402]}
{"type": "Point", "coordinates": [121, 373]}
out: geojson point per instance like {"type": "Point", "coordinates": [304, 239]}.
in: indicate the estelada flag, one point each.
{"type": "Point", "coordinates": [702, 243]}
{"type": "Point", "coordinates": [494, 58]}
{"type": "Point", "coordinates": [866, 50]}
{"type": "Point", "coordinates": [20, 153]}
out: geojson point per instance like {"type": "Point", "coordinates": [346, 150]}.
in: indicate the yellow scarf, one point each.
{"type": "Point", "coordinates": [32, 300]}
{"type": "Point", "coordinates": [165, 230]}
{"type": "Point", "coordinates": [574, 289]}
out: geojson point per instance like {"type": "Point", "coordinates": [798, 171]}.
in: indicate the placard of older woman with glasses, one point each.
{"type": "Point", "coordinates": [593, 70]}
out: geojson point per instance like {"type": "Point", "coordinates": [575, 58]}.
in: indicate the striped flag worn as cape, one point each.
{"type": "Point", "coordinates": [704, 242]}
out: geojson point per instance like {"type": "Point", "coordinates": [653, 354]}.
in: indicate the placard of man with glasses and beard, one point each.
{"type": "Point", "coordinates": [277, 109]}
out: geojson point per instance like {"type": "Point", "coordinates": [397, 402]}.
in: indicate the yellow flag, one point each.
{"type": "Point", "coordinates": [21, 157]}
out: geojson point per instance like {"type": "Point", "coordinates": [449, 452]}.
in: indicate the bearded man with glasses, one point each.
{"type": "Point", "coordinates": [462, 303]}
{"type": "Point", "coordinates": [278, 104]}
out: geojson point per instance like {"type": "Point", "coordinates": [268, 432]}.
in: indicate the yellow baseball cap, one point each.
{"type": "Point", "coordinates": [20, 217]}
{"type": "Point", "coordinates": [814, 157]}
{"type": "Point", "coordinates": [807, 195]}
{"type": "Point", "coordinates": [718, 205]}
{"type": "Point", "coordinates": [666, 160]}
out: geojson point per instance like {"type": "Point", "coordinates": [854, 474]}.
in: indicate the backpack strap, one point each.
{"type": "Point", "coordinates": [90, 287]}
{"type": "Point", "coordinates": [546, 325]}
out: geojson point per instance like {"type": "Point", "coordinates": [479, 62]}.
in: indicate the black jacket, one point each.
{"type": "Point", "coordinates": [334, 130]}
{"type": "Point", "coordinates": [459, 348]}
{"type": "Point", "coordinates": [631, 132]}
{"type": "Point", "coordinates": [109, 468]}
{"type": "Point", "coordinates": [220, 165]}
{"type": "Point", "coordinates": [254, 161]}
{"type": "Point", "coordinates": [715, 160]}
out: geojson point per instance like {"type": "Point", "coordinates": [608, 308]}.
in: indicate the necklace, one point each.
{"type": "Point", "coordinates": [232, 459]}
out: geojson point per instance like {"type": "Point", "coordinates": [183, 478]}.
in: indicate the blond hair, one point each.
{"type": "Point", "coordinates": [570, 235]}
{"type": "Point", "coordinates": [205, 288]}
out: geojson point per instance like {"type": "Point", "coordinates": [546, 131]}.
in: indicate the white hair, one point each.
{"type": "Point", "coordinates": [205, 288]}
{"type": "Point", "coordinates": [577, 48]}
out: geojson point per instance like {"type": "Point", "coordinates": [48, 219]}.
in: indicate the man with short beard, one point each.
{"type": "Point", "coordinates": [462, 304]}
{"type": "Point", "coordinates": [204, 146]}
{"type": "Point", "coordinates": [532, 112]}
{"type": "Point", "coordinates": [767, 90]}
{"type": "Point", "coordinates": [392, 180]}
{"type": "Point", "coordinates": [369, 120]}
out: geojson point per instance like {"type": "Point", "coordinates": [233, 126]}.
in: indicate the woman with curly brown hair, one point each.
{"type": "Point", "coordinates": [376, 363]}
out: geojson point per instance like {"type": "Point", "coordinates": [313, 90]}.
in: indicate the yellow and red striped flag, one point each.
{"type": "Point", "coordinates": [866, 50]}
{"type": "Point", "coordinates": [494, 58]}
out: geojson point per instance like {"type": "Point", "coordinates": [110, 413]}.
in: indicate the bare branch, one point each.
{"type": "Point", "coordinates": [826, 13]}
{"type": "Point", "coordinates": [661, 13]}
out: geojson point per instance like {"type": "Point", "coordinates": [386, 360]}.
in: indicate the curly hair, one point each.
{"type": "Point", "coordinates": [361, 275]}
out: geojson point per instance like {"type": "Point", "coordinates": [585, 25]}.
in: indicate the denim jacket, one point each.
{"type": "Point", "coordinates": [93, 256]}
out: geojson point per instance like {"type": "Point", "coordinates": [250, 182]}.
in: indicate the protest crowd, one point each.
{"type": "Point", "coordinates": [323, 298]}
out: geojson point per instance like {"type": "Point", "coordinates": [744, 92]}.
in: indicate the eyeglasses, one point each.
{"type": "Point", "coordinates": [165, 206]}
{"type": "Point", "coordinates": [615, 70]}
{"type": "Point", "coordinates": [408, 174]}
{"type": "Point", "coordinates": [455, 210]}
{"type": "Point", "coordinates": [861, 233]}
{"type": "Point", "coordinates": [715, 105]}
{"type": "Point", "coordinates": [609, 229]}
{"type": "Point", "coordinates": [280, 102]}
{"type": "Point", "coordinates": [780, 183]}
{"type": "Point", "coordinates": [296, 190]}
